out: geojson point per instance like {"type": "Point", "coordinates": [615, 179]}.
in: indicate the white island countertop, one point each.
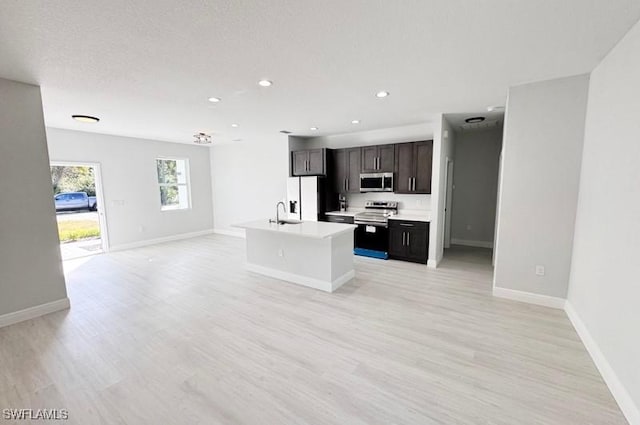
{"type": "Point", "coordinates": [308, 229]}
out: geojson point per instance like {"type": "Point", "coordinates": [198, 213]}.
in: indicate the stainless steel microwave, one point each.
{"type": "Point", "coordinates": [376, 182]}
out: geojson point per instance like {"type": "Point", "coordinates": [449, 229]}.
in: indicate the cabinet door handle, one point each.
{"type": "Point", "coordinates": [406, 224]}
{"type": "Point", "coordinates": [404, 235]}
{"type": "Point", "coordinates": [414, 184]}
{"type": "Point", "coordinates": [408, 238]}
{"type": "Point", "coordinates": [409, 183]}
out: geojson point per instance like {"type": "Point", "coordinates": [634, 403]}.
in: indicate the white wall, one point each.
{"type": "Point", "coordinates": [542, 151]}
{"type": "Point", "coordinates": [477, 153]}
{"type": "Point", "coordinates": [443, 148]}
{"type": "Point", "coordinates": [604, 289]}
{"type": "Point", "coordinates": [129, 178]}
{"type": "Point", "coordinates": [30, 264]}
{"type": "Point", "coordinates": [249, 178]}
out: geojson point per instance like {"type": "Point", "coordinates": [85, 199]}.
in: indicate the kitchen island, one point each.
{"type": "Point", "coordinates": [310, 253]}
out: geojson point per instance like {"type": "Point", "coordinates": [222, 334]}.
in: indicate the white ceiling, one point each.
{"type": "Point", "coordinates": [147, 67]}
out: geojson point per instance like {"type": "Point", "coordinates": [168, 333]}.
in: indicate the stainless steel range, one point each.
{"type": "Point", "coordinates": [372, 234]}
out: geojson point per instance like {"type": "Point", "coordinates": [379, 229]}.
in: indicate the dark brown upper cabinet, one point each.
{"type": "Point", "coordinates": [378, 159]}
{"type": "Point", "coordinates": [346, 170]}
{"type": "Point", "coordinates": [413, 163]}
{"type": "Point", "coordinates": [309, 162]}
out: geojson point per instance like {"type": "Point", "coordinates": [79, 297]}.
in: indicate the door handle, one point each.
{"type": "Point", "coordinates": [408, 238]}
{"type": "Point", "coordinates": [409, 183]}
{"type": "Point", "coordinates": [406, 224]}
{"type": "Point", "coordinates": [414, 184]}
{"type": "Point", "coordinates": [404, 235]}
{"type": "Point", "coordinates": [347, 183]}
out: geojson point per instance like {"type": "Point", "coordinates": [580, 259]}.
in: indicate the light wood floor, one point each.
{"type": "Point", "coordinates": [179, 333]}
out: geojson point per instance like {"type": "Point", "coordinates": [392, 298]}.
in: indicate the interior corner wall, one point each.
{"type": "Point", "coordinates": [130, 184]}
{"type": "Point", "coordinates": [604, 289]}
{"type": "Point", "coordinates": [249, 178]}
{"type": "Point", "coordinates": [443, 148]}
{"type": "Point", "coordinates": [475, 177]}
{"type": "Point", "coordinates": [541, 154]}
{"type": "Point", "coordinates": [30, 264]}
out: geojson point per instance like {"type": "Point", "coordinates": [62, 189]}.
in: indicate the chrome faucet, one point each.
{"type": "Point", "coordinates": [284, 207]}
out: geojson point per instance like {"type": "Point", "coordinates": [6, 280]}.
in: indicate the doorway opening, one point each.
{"type": "Point", "coordinates": [79, 207]}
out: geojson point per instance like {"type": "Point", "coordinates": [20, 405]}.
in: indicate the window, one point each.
{"type": "Point", "coordinates": [173, 181]}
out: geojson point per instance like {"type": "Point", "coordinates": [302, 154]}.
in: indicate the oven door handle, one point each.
{"type": "Point", "coordinates": [366, 223]}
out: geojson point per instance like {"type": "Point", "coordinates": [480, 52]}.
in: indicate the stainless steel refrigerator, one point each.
{"type": "Point", "coordinates": [307, 199]}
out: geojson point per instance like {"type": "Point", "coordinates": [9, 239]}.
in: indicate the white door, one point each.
{"type": "Point", "coordinates": [448, 201]}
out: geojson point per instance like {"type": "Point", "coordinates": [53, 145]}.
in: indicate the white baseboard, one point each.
{"type": "Point", "coordinates": [629, 408]}
{"type": "Point", "coordinates": [477, 244]}
{"type": "Point", "coordinates": [33, 312]}
{"type": "Point", "coordinates": [238, 233]}
{"type": "Point", "coordinates": [529, 297]}
{"type": "Point", "coordinates": [433, 264]}
{"type": "Point", "coordinates": [302, 280]}
{"type": "Point", "coordinates": [156, 241]}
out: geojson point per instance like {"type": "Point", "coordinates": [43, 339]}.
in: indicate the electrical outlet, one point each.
{"type": "Point", "coordinates": [540, 270]}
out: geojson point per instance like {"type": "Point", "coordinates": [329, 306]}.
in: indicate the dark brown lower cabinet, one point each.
{"type": "Point", "coordinates": [409, 240]}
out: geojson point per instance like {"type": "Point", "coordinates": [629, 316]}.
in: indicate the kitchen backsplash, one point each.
{"type": "Point", "coordinates": [405, 202]}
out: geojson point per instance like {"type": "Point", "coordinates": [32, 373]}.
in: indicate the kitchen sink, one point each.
{"type": "Point", "coordinates": [289, 222]}
{"type": "Point", "coordinates": [283, 222]}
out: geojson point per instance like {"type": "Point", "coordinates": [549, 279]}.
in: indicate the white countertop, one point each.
{"type": "Point", "coordinates": [424, 217]}
{"type": "Point", "coordinates": [308, 229]}
{"type": "Point", "coordinates": [348, 213]}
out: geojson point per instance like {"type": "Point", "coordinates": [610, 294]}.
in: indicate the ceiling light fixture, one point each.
{"type": "Point", "coordinates": [234, 125]}
{"type": "Point", "coordinates": [355, 122]}
{"type": "Point", "coordinates": [382, 94]}
{"type": "Point", "coordinates": [214, 99]}
{"type": "Point", "coordinates": [202, 138]}
{"type": "Point", "coordinates": [265, 83]}
{"type": "Point", "coordinates": [474, 120]}
{"type": "Point", "coordinates": [85, 118]}
{"type": "Point", "coordinates": [313, 128]}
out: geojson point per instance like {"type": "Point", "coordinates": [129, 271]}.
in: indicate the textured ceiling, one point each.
{"type": "Point", "coordinates": [146, 68]}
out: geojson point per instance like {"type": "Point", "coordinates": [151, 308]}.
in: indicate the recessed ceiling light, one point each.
{"type": "Point", "coordinates": [382, 94]}
{"type": "Point", "coordinates": [474, 120]}
{"type": "Point", "coordinates": [355, 122]}
{"type": "Point", "coordinates": [313, 128]}
{"type": "Point", "coordinates": [85, 118]}
{"type": "Point", "coordinates": [214, 99]}
{"type": "Point", "coordinates": [234, 125]}
{"type": "Point", "coordinates": [265, 83]}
